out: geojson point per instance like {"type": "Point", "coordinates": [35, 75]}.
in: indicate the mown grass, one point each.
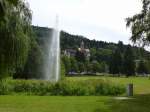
{"type": "Point", "coordinates": [140, 103]}
{"type": "Point", "coordinates": [53, 104]}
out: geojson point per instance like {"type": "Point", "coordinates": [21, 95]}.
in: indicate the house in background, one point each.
{"type": "Point", "coordinates": [82, 49]}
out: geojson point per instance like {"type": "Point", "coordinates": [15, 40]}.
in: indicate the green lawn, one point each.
{"type": "Point", "coordinates": [73, 104]}
{"type": "Point", "coordinates": [139, 103]}
{"type": "Point", "coordinates": [141, 84]}
{"type": "Point", "coordinates": [53, 104]}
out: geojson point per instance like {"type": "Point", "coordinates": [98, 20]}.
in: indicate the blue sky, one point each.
{"type": "Point", "coordinates": [94, 19]}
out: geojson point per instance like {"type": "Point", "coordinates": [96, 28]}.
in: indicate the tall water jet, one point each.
{"type": "Point", "coordinates": [52, 63]}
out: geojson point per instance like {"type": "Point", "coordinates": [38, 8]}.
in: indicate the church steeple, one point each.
{"type": "Point", "coordinates": [82, 45]}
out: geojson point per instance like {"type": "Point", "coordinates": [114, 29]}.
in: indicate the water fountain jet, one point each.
{"type": "Point", "coordinates": [52, 63]}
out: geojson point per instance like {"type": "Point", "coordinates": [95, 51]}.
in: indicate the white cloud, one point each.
{"type": "Point", "coordinates": [99, 19]}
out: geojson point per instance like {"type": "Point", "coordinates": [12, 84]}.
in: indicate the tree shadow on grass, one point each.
{"type": "Point", "coordinates": [139, 103]}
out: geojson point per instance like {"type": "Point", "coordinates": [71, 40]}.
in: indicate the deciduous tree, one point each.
{"type": "Point", "coordinates": [140, 25]}
{"type": "Point", "coordinates": [15, 33]}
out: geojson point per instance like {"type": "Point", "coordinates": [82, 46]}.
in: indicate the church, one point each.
{"type": "Point", "coordinates": [82, 49]}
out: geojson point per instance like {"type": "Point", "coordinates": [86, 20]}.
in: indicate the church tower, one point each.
{"type": "Point", "coordinates": [82, 45]}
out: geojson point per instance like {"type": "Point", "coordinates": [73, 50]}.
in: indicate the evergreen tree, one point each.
{"type": "Point", "coordinates": [129, 64]}
{"type": "Point", "coordinates": [142, 69]}
{"type": "Point", "coordinates": [116, 62]}
{"type": "Point", "coordinates": [121, 46]}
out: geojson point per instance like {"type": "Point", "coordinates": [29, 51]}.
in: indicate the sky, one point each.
{"type": "Point", "coordinates": [95, 19]}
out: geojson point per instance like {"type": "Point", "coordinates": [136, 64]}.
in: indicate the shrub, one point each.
{"type": "Point", "coordinates": [5, 87]}
{"type": "Point", "coordinates": [64, 87]}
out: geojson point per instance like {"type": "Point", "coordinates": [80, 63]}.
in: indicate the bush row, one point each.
{"type": "Point", "coordinates": [65, 88]}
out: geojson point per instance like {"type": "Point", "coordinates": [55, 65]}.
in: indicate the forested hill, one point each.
{"type": "Point", "coordinates": [104, 57]}
{"type": "Point", "coordinates": [69, 41]}
{"type": "Point", "coordinates": [74, 41]}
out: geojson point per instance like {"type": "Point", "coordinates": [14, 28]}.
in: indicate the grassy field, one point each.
{"type": "Point", "coordinates": [73, 104]}
{"type": "Point", "coordinates": [141, 84]}
{"type": "Point", "coordinates": [53, 104]}
{"type": "Point", "coordinates": [139, 103]}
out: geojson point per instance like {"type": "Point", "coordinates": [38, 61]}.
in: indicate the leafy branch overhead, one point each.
{"type": "Point", "coordinates": [4, 6]}
{"type": "Point", "coordinates": [140, 25]}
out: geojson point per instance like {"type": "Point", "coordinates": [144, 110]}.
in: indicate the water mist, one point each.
{"type": "Point", "coordinates": [52, 63]}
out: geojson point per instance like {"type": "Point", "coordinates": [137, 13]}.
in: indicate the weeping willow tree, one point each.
{"type": "Point", "coordinates": [15, 33]}
{"type": "Point", "coordinates": [140, 25]}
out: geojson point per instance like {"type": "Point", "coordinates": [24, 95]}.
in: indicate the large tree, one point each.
{"type": "Point", "coordinates": [128, 63]}
{"type": "Point", "coordinates": [115, 66]}
{"type": "Point", "coordinates": [15, 33]}
{"type": "Point", "coordinates": [74, 65]}
{"type": "Point", "coordinates": [34, 64]}
{"type": "Point", "coordinates": [142, 68]}
{"type": "Point", "coordinates": [140, 25]}
{"type": "Point", "coordinates": [4, 8]}
{"type": "Point", "coordinates": [67, 63]}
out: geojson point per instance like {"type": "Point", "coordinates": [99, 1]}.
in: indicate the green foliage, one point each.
{"type": "Point", "coordinates": [5, 87]}
{"type": "Point", "coordinates": [96, 67]}
{"type": "Point", "coordinates": [33, 66]}
{"type": "Point", "coordinates": [4, 10]}
{"type": "Point", "coordinates": [139, 24]}
{"type": "Point", "coordinates": [67, 64]}
{"type": "Point", "coordinates": [116, 62]}
{"type": "Point", "coordinates": [129, 64]}
{"type": "Point", "coordinates": [123, 61]}
{"type": "Point", "coordinates": [65, 87]}
{"type": "Point", "coordinates": [101, 55]}
{"type": "Point", "coordinates": [15, 32]}
{"type": "Point", "coordinates": [80, 56]}
{"type": "Point", "coordinates": [141, 84]}
{"type": "Point", "coordinates": [81, 67]}
{"type": "Point", "coordinates": [88, 87]}
{"type": "Point", "coordinates": [142, 68]}
{"type": "Point", "coordinates": [147, 64]}
{"type": "Point", "coordinates": [74, 64]}
{"type": "Point", "coordinates": [62, 71]}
